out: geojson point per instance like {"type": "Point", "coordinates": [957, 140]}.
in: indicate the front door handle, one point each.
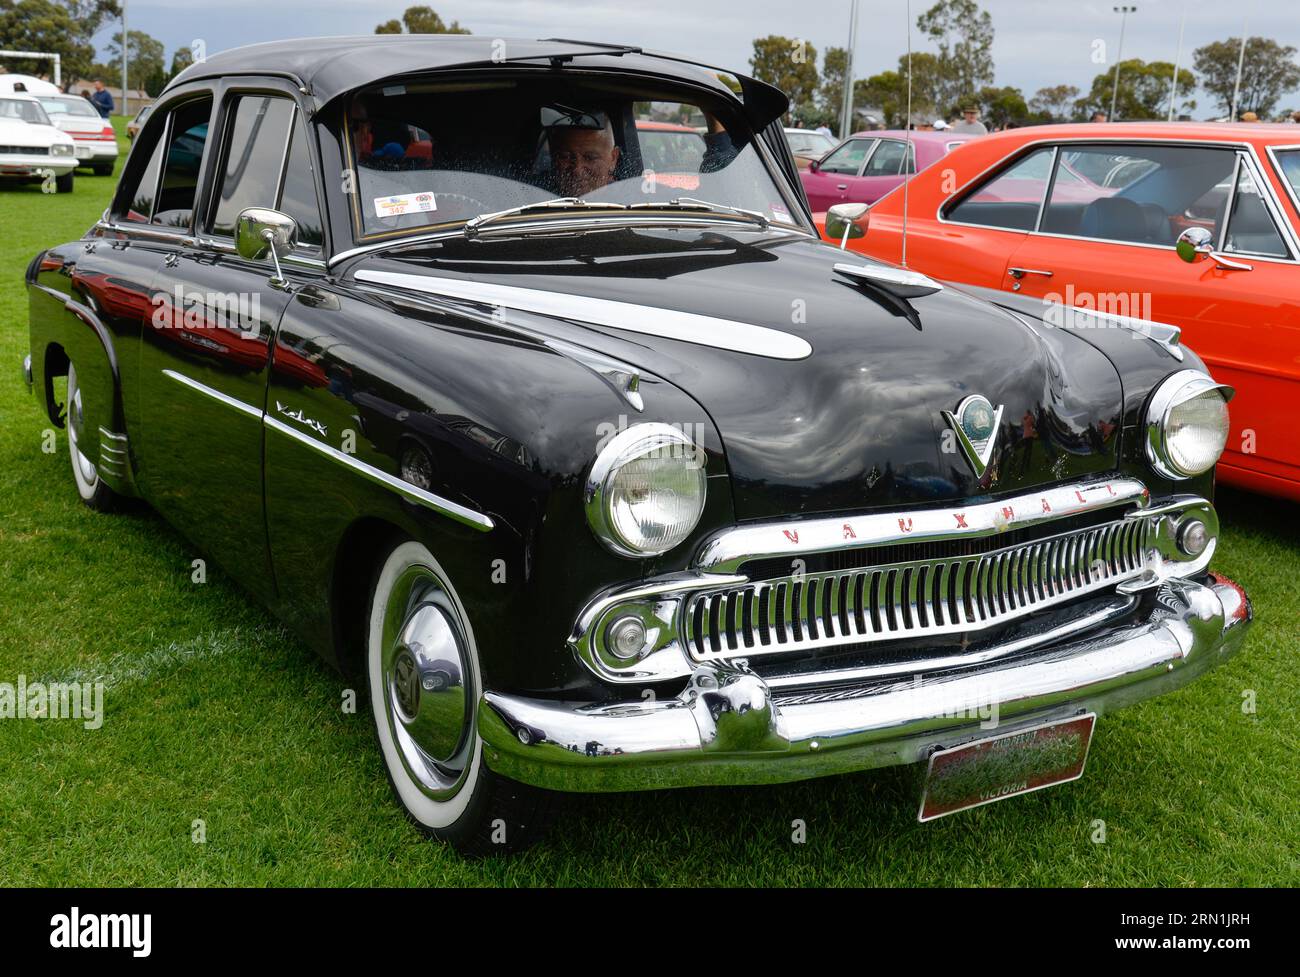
{"type": "Point", "coordinates": [1019, 273]}
{"type": "Point", "coordinates": [842, 186]}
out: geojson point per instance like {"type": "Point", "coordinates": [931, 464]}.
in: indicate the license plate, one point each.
{"type": "Point", "coordinates": [994, 769]}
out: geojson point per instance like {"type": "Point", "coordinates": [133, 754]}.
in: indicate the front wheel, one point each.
{"type": "Point", "coordinates": [90, 486]}
{"type": "Point", "coordinates": [423, 674]}
{"type": "Point", "coordinates": [63, 184]}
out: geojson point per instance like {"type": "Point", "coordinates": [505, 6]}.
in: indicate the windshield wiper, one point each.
{"type": "Point", "coordinates": [472, 227]}
{"type": "Point", "coordinates": [704, 206]}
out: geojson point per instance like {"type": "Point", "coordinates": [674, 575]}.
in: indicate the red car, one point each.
{"type": "Point", "coordinates": [867, 165]}
{"type": "Point", "coordinates": [1097, 217]}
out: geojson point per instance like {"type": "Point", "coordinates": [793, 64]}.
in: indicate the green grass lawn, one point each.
{"type": "Point", "coordinates": [214, 713]}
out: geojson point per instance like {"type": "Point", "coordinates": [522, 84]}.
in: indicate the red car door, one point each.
{"type": "Point", "coordinates": [1115, 253]}
{"type": "Point", "coordinates": [827, 183]}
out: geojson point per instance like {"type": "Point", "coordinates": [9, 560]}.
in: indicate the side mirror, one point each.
{"type": "Point", "coordinates": [844, 221]}
{"type": "Point", "coordinates": [1197, 244]}
{"type": "Point", "coordinates": [815, 165]}
{"type": "Point", "coordinates": [1194, 244]}
{"type": "Point", "coordinates": [260, 233]}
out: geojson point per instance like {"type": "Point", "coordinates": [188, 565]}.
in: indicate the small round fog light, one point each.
{"type": "Point", "coordinates": [1193, 537]}
{"type": "Point", "coordinates": [626, 637]}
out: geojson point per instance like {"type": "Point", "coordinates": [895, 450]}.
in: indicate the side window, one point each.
{"type": "Point", "coordinates": [254, 154]}
{"type": "Point", "coordinates": [135, 197]}
{"type": "Point", "coordinates": [187, 136]}
{"type": "Point", "coordinates": [1250, 228]}
{"type": "Point", "coordinates": [848, 158]}
{"type": "Point", "coordinates": [1289, 161]}
{"type": "Point", "coordinates": [298, 197]}
{"type": "Point", "coordinates": [1141, 194]}
{"type": "Point", "coordinates": [887, 160]}
{"type": "Point", "coordinates": [1010, 199]}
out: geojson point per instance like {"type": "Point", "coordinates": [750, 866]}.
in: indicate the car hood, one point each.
{"type": "Point", "coordinates": [848, 415]}
{"type": "Point", "coordinates": [16, 132]}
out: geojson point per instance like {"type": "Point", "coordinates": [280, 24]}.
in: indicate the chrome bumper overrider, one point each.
{"type": "Point", "coordinates": [730, 727]}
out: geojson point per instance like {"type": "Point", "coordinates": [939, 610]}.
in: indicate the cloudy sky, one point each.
{"type": "Point", "coordinates": [1038, 42]}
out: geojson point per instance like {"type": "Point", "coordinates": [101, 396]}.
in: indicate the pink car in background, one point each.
{"type": "Point", "coordinates": [867, 165]}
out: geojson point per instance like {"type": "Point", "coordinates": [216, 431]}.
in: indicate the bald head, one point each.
{"type": "Point", "coordinates": [583, 160]}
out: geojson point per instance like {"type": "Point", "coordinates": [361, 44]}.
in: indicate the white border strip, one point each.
{"type": "Point", "coordinates": [689, 327]}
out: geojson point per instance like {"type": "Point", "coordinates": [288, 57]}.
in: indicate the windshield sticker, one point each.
{"type": "Point", "coordinates": [779, 213]}
{"type": "Point", "coordinates": [405, 203]}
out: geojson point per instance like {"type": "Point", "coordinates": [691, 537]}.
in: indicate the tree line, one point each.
{"type": "Point", "coordinates": [960, 71]}
{"type": "Point", "coordinates": [66, 27]}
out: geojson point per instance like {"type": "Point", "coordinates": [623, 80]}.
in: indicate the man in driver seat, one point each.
{"type": "Point", "coordinates": [584, 156]}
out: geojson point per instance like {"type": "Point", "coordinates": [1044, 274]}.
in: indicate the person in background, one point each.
{"type": "Point", "coordinates": [970, 122]}
{"type": "Point", "coordinates": [1249, 117]}
{"type": "Point", "coordinates": [1099, 116]}
{"type": "Point", "coordinates": [85, 93]}
{"type": "Point", "coordinates": [102, 99]}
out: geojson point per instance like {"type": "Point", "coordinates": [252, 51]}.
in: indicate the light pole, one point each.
{"type": "Point", "coordinates": [125, 44]}
{"type": "Point", "coordinates": [846, 110]}
{"type": "Point", "coordinates": [1178, 58]}
{"type": "Point", "coordinates": [1119, 55]}
{"type": "Point", "coordinates": [1241, 60]}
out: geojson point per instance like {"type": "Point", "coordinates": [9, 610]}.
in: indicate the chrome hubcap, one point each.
{"type": "Point", "coordinates": [428, 686]}
{"type": "Point", "coordinates": [76, 424]}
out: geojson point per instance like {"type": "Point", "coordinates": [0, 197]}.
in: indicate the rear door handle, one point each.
{"type": "Point", "coordinates": [1019, 273]}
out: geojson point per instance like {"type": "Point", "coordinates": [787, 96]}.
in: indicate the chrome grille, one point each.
{"type": "Point", "coordinates": [945, 595]}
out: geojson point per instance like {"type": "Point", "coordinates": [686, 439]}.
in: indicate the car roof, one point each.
{"type": "Point", "coordinates": [647, 125]}
{"type": "Point", "coordinates": [916, 135]}
{"type": "Point", "coordinates": [326, 67]}
{"type": "Point", "coordinates": [1191, 131]}
{"type": "Point", "coordinates": [23, 95]}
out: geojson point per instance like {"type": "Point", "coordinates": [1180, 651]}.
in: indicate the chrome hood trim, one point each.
{"type": "Point", "coordinates": [690, 327]}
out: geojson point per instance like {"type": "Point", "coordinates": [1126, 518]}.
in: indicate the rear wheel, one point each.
{"type": "Point", "coordinates": [103, 169]}
{"type": "Point", "coordinates": [90, 486]}
{"type": "Point", "coordinates": [423, 674]}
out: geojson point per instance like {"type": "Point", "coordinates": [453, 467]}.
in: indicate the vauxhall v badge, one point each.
{"type": "Point", "coordinates": [976, 424]}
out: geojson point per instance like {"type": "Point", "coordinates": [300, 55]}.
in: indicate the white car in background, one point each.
{"type": "Point", "coordinates": [31, 148]}
{"type": "Point", "coordinates": [96, 142]}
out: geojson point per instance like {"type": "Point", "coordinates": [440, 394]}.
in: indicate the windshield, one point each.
{"type": "Point", "coordinates": [68, 105]}
{"type": "Point", "coordinates": [426, 154]}
{"type": "Point", "coordinates": [24, 109]}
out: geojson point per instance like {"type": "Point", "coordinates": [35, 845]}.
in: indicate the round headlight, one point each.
{"type": "Point", "coordinates": [1187, 424]}
{"type": "Point", "coordinates": [646, 490]}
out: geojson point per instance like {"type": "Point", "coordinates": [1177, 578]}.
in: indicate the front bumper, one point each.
{"type": "Point", "coordinates": [89, 152]}
{"type": "Point", "coordinates": [36, 166]}
{"type": "Point", "coordinates": [728, 727]}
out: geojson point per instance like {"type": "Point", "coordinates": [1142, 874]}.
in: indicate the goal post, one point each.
{"type": "Point", "coordinates": [58, 66]}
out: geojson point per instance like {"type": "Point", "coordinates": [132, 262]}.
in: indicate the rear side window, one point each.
{"type": "Point", "coordinates": [1011, 199]}
{"type": "Point", "coordinates": [1289, 161]}
{"type": "Point", "coordinates": [1138, 194]}
{"type": "Point", "coordinates": [137, 197]}
{"type": "Point", "coordinates": [848, 158]}
{"type": "Point", "coordinates": [187, 137]}
{"type": "Point", "coordinates": [887, 160]}
{"type": "Point", "coordinates": [255, 149]}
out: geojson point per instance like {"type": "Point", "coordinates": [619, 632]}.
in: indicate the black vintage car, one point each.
{"type": "Point", "coordinates": [603, 478]}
